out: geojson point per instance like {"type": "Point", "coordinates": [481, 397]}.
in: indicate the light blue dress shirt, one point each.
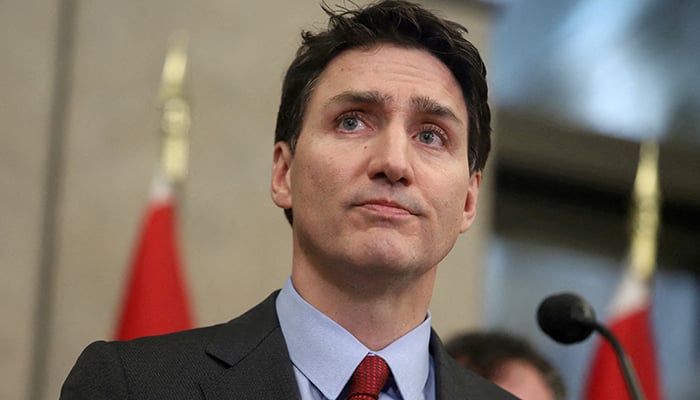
{"type": "Point", "coordinates": [325, 355]}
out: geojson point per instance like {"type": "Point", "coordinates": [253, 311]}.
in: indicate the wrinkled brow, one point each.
{"type": "Point", "coordinates": [371, 97]}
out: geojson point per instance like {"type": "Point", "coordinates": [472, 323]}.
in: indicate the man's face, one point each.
{"type": "Point", "coordinates": [379, 182]}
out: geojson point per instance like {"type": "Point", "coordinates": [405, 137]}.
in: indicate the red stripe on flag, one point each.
{"type": "Point", "coordinates": [605, 381]}
{"type": "Point", "coordinates": [156, 301]}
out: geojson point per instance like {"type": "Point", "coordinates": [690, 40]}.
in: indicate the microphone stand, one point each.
{"type": "Point", "coordinates": [626, 366]}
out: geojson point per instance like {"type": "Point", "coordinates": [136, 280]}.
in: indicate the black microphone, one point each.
{"type": "Point", "coordinates": [567, 318]}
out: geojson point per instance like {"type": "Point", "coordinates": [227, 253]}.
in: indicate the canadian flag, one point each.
{"type": "Point", "coordinates": [630, 322]}
{"type": "Point", "coordinates": [155, 300]}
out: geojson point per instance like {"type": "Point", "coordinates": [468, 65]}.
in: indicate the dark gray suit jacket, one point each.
{"type": "Point", "coordinates": [246, 358]}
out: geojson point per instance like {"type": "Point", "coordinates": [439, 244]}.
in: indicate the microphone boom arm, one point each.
{"type": "Point", "coordinates": [626, 365]}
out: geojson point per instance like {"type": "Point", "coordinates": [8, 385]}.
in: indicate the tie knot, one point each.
{"type": "Point", "coordinates": [369, 379]}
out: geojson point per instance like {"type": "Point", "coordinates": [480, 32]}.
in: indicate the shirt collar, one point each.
{"type": "Point", "coordinates": [327, 354]}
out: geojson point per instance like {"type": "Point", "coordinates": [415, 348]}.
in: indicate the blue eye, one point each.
{"type": "Point", "coordinates": [430, 138]}
{"type": "Point", "coordinates": [350, 123]}
{"type": "Point", "coordinates": [426, 137]}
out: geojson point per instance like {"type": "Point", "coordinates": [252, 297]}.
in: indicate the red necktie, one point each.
{"type": "Point", "coordinates": [369, 379]}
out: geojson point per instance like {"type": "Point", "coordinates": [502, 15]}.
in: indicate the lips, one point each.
{"type": "Point", "coordinates": [387, 206]}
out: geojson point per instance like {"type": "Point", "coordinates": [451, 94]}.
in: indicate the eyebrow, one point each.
{"type": "Point", "coordinates": [426, 105]}
{"type": "Point", "coordinates": [371, 97]}
{"type": "Point", "coordinates": [421, 104]}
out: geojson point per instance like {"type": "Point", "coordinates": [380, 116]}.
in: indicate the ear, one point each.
{"type": "Point", "coordinates": [280, 188]}
{"type": "Point", "coordinates": [469, 214]}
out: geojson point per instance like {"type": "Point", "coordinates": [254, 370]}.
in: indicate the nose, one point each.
{"type": "Point", "coordinates": [391, 156]}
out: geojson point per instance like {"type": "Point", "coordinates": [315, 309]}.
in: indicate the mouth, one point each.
{"type": "Point", "coordinates": [387, 207]}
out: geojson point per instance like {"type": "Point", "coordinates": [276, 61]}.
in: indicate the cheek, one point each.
{"type": "Point", "coordinates": [449, 201]}
{"type": "Point", "coordinates": [316, 178]}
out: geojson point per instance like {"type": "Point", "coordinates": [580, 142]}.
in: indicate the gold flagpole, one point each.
{"type": "Point", "coordinates": [175, 121]}
{"type": "Point", "coordinates": [645, 218]}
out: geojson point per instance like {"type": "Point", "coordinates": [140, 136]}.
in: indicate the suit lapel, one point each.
{"type": "Point", "coordinates": [446, 386]}
{"type": "Point", "coordinates": [254, 354]}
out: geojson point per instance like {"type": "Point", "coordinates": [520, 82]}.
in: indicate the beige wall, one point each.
{"type": "Point", "coordinates": [26, 52]}
{"type": "Point", "coordinates": [236, 244]}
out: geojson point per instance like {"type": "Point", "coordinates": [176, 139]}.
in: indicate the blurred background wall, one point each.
{"type": "Point", "coordinates": [578, 84]}
{"type": "Point", "coordinates": [80, 139]}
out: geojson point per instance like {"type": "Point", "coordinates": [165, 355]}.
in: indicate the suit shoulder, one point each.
{"type": "Point", "coordinates": [171, 365]}
{"type": "Point", "coordinates": [122, 369]}
{"type": "Point", "coordinates": [477, 386]}
{"type": "Point", "coordinates": [188, 340]}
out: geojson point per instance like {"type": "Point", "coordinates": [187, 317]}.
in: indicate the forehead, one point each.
{"type": "Point", "coordinates": [396, 73]}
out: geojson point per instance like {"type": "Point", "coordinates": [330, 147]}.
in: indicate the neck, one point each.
{"type": "Point", "coordinates": [376, 310]}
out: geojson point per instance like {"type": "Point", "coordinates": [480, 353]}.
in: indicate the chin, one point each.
{"type": "Point", "coordinates": [392, 260]}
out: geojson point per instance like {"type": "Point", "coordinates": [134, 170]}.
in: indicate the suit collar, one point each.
{"type": "Point", "coordinates": [446, 386]}
{"type": "Point", "coordinates": [253, 352]}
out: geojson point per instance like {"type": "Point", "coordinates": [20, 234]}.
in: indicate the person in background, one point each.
{"type": "Point", "coordinates": [382, 134]}
{"type": "Point", "coordinates": [509, 361]}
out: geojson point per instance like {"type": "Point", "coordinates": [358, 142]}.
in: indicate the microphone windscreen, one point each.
{"type": "Point", "coordinates": [566, 318]}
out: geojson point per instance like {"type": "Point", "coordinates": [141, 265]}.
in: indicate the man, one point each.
{"type": "Point", "coordinates": [510, 362]}
{"type": "Point", "coordinates": [382, 133]}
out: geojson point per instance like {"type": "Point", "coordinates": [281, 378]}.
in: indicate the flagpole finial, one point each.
{"type": "Point", "coordinates": [175, 119]}
{"type": "Point", "coordinates": [645, 216]}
